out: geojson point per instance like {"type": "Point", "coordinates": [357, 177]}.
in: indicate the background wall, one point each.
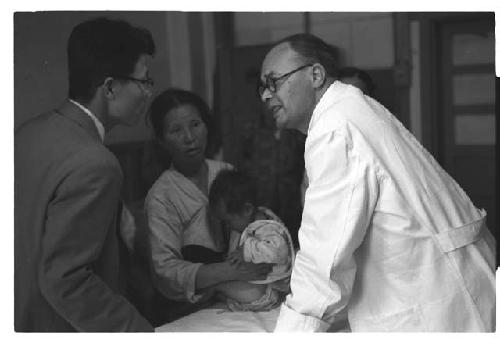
{"type": "Point", "coordinates": [364, 39]}
{"type": "Point", "coordinates": [186, 50]}
{"type": "Point", "coordinates": [270, 28]}
{"type": "Point", "coordinates": [218, 56]}
{"type": "Point", "coordinates": [184, 44]}
{"type": "Point", "coordinates": [40, 72]}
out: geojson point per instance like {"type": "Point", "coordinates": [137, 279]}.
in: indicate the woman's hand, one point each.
{"type": "Point", "coordinates": [236, 257]}
{"type": "Point", "coordinates": [211, 274]}
{"type": "Point", "coordinates": [247, 271]}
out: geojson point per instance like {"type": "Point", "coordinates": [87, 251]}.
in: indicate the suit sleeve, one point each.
{"type": "Point", "coordinates": [79, 218]}
{"type": "Point", "coordinates": [338, 206]}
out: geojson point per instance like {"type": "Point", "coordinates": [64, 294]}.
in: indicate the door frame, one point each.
{"type": "Point", "coordinates": [430, 24]}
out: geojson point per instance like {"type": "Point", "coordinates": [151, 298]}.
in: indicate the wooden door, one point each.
{"type": "Point", "coordinates": [467, 124]}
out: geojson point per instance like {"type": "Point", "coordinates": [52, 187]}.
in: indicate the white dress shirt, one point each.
{"type": "Point", "coordinates": [386, 233]}
{"type": "Point", "coordinates": [98, 124]}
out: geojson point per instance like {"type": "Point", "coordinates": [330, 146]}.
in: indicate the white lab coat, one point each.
{"type": "Point", "coordinates": [386, 233]}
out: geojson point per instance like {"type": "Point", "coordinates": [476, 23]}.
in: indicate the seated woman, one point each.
{"type": "Point", "coordinates": [264, 239]}
{"type": "Point", "coordinates": [176, 205]}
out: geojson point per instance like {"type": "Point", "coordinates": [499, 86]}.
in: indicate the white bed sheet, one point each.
{"type": "Point", "coordinates": [218, 320]}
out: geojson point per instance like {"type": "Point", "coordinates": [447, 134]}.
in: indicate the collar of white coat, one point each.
{"type": "Point", "coordinates": [328, 98]}
{"type": "Point", "coordinates": [98, 124]}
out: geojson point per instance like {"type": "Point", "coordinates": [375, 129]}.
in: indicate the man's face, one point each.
{"type": "Point", "coordinates": [293, 101]}
{"type": "Point", "coordinates": [131, 97]}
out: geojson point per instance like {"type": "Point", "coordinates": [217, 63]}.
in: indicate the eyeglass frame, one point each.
{"type": "Point", "coordinates": [271, 82]}
{"type": "Point", "coordinates": [148, 83]}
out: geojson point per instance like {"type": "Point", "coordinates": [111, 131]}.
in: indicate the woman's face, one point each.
{"type": "Point", "coordinates": [185, 135]}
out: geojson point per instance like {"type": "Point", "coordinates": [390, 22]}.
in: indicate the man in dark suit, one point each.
{"type": "Point", "coordinates": [67, 187]}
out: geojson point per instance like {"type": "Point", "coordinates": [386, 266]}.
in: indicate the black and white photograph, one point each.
{"type": "Point", "coordinates": [187, 169]}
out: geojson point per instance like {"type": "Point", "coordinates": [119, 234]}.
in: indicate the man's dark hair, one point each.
{"type": "Point", "coordinates": [314, 50]}
{"type": "Point", "coordinates": [348, 72]}
{"type": "Point", "coordinates": [101, 48]}
{"type": "Point", "coordinates": [234, 188]}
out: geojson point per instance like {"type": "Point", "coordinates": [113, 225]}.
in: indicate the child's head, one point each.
{"type": "Point", "coordinates": [232, 198]}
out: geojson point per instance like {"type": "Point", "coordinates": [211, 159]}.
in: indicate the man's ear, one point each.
{"type": "Point", "coordinates": [108, 89]}
{"type": "Point", "coordinates": [319, 75]}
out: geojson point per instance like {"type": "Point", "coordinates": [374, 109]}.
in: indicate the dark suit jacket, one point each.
{"type": "Point", "coordinates": [67, 190]}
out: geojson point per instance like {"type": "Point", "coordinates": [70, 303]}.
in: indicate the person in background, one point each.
{"type": "Point", "coordinates": [386, 233]}
{"type": "Point", "coordinates": [67, 188]}
{"type": "Point", "coordinates": [357, 78]}
{"type": "Point", "coordinates": [176, 206]}
{"type": "Point", "coordinates": [260, 237]}
{"type": "Point", "coordinates": [275, 159]}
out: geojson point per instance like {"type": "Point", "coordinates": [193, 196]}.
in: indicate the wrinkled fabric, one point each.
{"type": "Point", "coordinates": [177, 215]}
{"type": "Point", "coordinates": [262, 241]}
{"type": "Point", "coordinates": [269, 300]}
{"type": "Point", "coordinates": [234, 240]}
{"type": "Point", "coordinates": [267, 241]}
{"type": "Point", "coordinates": [386, 233]}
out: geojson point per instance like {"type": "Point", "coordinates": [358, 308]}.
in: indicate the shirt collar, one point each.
{"type": "Point", "coordinates": [98, 124]}
{"type": "Point", "coordinates": [326, 100]}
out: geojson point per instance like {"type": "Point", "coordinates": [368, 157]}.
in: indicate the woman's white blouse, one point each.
{"type": "Point", "coordinates": [177, 216]}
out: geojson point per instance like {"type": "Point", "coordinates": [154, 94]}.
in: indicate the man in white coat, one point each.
{"type": "Point", "coordinates": [386, 233]}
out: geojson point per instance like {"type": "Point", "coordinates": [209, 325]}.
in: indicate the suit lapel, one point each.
{"type": "Point", "coordinates": [75, 114]}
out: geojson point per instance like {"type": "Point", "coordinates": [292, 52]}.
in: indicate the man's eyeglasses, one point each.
{"type": "Point", "coordinates": [272, 82]}
{"type": "Point", "coordinates": [147, 83]}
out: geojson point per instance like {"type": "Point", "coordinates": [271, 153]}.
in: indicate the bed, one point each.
{"type": "Point", "coordinates": [219, 320]}
{"type": "Point", "coordinates": [216, 319]}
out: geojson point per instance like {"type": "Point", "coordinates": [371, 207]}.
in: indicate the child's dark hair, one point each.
{"type": "Point", "coordinates": [234, 188]}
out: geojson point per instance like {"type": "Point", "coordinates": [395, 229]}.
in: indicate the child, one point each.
{"type": "Point", "coordinates": [258, 236]}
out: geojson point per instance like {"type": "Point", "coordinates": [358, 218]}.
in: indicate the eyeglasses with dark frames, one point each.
{"type": "Point", "coordinates": [148, 83]}
{"type": "Point", "coordinates": [272, 82]}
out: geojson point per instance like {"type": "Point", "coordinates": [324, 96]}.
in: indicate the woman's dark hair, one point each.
{"type": "Point", "coordinates": [234, 188]}
{"type": "Point", "coordinates": [348, 72]}
{"type": "Point", "coordinates": [173, 98]}
{"type": "Point", "coordinates": [314, 50]}
{"type": "Point", "coordinates": [101, 48]}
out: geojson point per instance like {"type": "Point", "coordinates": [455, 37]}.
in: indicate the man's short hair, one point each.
{"type": "Point", "coordinates": [101, 48]}
{"type": "Point", "coordinates": [234, 188]}
{"type": "Point", "coordinates": [314, 50]}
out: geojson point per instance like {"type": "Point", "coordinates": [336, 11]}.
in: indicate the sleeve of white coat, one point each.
{"type": "Point", "coordinates": [338, 206]}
